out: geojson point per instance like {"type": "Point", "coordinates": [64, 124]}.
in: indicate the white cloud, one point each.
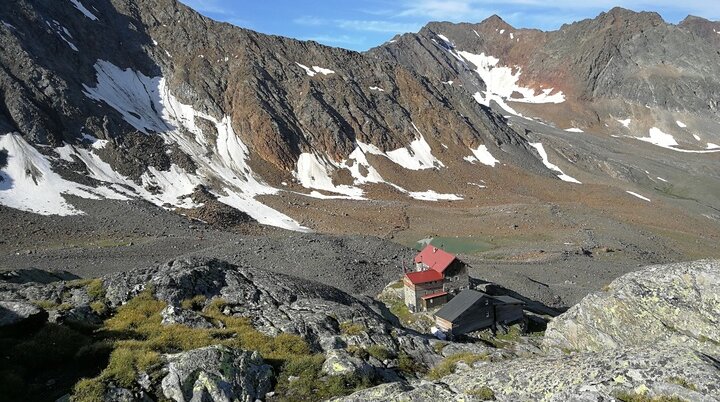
{"type": "Point", "coordinates": [453, 10]}
{"type": "Point", "coordinates": [361, 25]}
{"type": "Point", "coordinates": [337, 39]}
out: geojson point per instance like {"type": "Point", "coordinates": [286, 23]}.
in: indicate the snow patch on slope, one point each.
{"type": "Point", "coordinates": [147, 104]}
{"type": "Point", "coordinates": [28, 182]}
{"type": "Point", "coordinates": [314, 172]}
{"type": "Point", "coordinates": [63, 33]}
{"type": "Point", "coordinates": [170, 187]}
{"type": "Point", "coordinates": [638, 196]}
{"type": "Point", "coordinates": [501, 84]}
{"type": "Point", "coordinates": [359, 159]}
{"type": "Point", "coordinates": [667, 141]}
{"type": "Point", "coordinates": [416, 156]}
{"type": "Point", "coordinates": [431, 195]}
{"type": "Point", "coordinates": [541, 150]}
{"type": "Point", "coordinates": [482, 155]}
{"type": "Point", "coordinates": [315, 70]}
{"type": "Point", "coordinates": [131, 93]}
{"type": "Point", "coordinates": [625, 122]}
{"type": "Point", "coordinates": [84, 10]}
{"type": "Point", "coordinates": [659, 138]}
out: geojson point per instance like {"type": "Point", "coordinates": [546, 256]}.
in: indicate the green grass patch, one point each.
{"type": "Point", "coordinates": [512, 335]}
{"type": "Point", "coordinates": [95, 289]}
{"type": "Point", "coordinates": [379, 352]}
{"type": "Point", "coordinates": [301, 379]}
{"type": "Point", "coordinates": [138, 339]}
{"type": "Point", "coordinates": [398, 308]}
{"type": "Point", "coordinates": [448, 365]}
{"type": "Point", "coordinates": [483, 393]}
{"type": "Point", "coordinates": [439, 346]}
{"type": "Point", "coordinates": [683, 383]}
{"type": "Point", "coordinates": [352, 328]}
{"type": "Point", "coordinates": [638, 397]}
{"type": "Point", "coordinates": [46, 304]}
{"type": "Point", "coordinates": [196, 303]}
{"type": "Point", "coordinates": [397, 285]}
{"type": "Point", "coordinates": [407, 365]}
{"type": "Point", "coordinates": [459, 245]}
{"type": "Point", "coordinates": [99, 307]}
{"type": "Point", "coordinates": [502, 340]}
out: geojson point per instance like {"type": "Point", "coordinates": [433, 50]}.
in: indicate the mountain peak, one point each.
{"type": "Point", "coordinates": [496, 22]}
{"type": "Point", "coordinates": [627, 15]}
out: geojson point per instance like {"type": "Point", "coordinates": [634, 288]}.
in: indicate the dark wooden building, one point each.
{"type": "Point", "coordinates": [508, 310]}
{"type": "Point", "coordinates": [472, 311]}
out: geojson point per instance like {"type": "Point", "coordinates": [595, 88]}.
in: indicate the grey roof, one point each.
{"type": "Point", "coordinates": [507, 299]}
{"type": "Point", "coordinates": [459, 304]}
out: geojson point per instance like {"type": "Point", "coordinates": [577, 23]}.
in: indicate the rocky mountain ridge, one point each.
{"type": "Point", "coordinates": [148, 99]}
{"type": "Point", "coordinates": [184, 86]}
{"type": "Point", "coordinates": [603, 65]}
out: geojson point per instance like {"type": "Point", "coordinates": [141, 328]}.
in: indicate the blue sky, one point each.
{"type": "Point", "coordinates": [362, 24]}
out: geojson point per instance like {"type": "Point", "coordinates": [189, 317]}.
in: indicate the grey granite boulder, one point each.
{"type": "Point", "coordinates": [217, 374]}
{"type": "Point", "coordinates": [674, 304]}
{"type": "Point", "coordinates": [653, 334]}
{"type": "Point", "coordinates": [16, 312]}
{"type": "Point", "coordinates": [340, 362]}
{"type": "Point", "coordinates": [176, 315]}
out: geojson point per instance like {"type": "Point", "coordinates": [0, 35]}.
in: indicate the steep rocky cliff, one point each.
{"type": "Point", "coordinates": [126, 99]}
{"type": "Point", "coordinates": [621, 55]}
{"type": "Point", "coordinates": [152, 100]}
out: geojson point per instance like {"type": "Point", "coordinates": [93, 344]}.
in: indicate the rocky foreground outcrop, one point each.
{"type": "Point", "coordinates": [672, 305]}
{"type": "Point", "coordinates": [189, 330]}
{"type": "Point", "coordinates": [652, 333]}
{"type": "Point", "coordinates": [193, 329]}
{"type": "Point", "coordinates": [216, 373]}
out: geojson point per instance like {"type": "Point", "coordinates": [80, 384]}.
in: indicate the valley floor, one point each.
{"type": "Point", "coordinates": [551, 253]}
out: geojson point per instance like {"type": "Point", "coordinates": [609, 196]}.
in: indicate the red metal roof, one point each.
{"type": "Point", "coordinates": [424, 276]}
{"type": "Point", "coordinates": [435, 258]}
{"type": "Point", "coordinates": [434, 295]}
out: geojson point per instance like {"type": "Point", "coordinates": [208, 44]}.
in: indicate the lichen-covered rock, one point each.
{"type": "Point", "coordinates": [82, 315]}
{"type": "Point", "coordinates": [678, 372]}
{"type": "Point", "coordinates": [656, 371]}
{"type": "Point", "coordinates": [340, 362]}
{"type": "Point", "coordinates": [176, 315]}
{"type": "Point", "coordinates": [674, 304]}
{"type": "Point", "coordinates": [423, 392]}
{"type": "Point", "coordinates": [654, 333]}
{"type": "Point", "coordinates": [115, 394]}
{"type": "Point", "coordinates": [274, 303]}
{"type": "Point", "coordinates": [17, 312]}
{"type": "Point", "coordinates": [216, 374]}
